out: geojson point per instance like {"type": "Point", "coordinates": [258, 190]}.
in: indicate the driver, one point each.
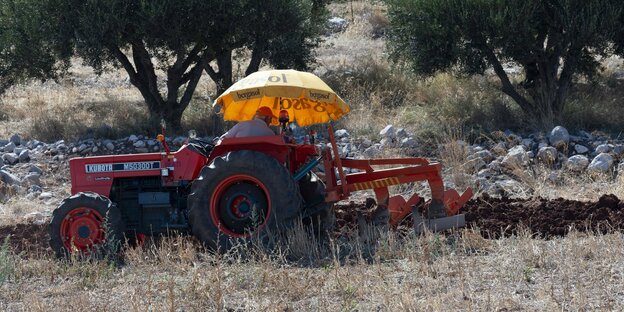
{"type": "Point", "coordinates": [258, 126]}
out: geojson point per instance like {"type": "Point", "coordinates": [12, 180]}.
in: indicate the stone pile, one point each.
{"type": "Point", "coordinates": [493, 165]}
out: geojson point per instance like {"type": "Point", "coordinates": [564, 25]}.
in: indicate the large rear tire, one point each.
{"type": "Point", "coordinates": [321, 215]}
{"type": "Point", "coordinates": [85, 223]}
{"type": "Point", "coordinates": [242, 196]}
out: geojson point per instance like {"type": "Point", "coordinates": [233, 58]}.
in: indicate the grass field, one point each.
{"type": "Point", "coordinates": [463, 271]}
{"type": "Point", "coordinates": [430, 273]}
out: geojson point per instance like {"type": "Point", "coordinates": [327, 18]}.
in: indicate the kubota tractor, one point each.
{"type": "Point", "coordinates": [242, 188]}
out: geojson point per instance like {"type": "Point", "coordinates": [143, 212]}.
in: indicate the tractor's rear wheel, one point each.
{"type": "Point", "coordinates": [243, 195]}
{"type": "Point", "coordinates": [85, 223]}
{"type": "Point", "coordinates": [321, 215]}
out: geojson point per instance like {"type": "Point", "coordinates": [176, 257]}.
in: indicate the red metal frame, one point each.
{"type": "Point", "coordinates": [408, 170]}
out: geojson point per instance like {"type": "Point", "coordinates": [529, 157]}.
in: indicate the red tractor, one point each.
{"type": "Point", "coordinates": [239, 189]}
{"type": "Point", "coordinates": [242, 188]}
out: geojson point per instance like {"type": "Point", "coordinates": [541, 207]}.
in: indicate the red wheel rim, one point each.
{"type": "Point", "coordinates": [227, 201]}
{"type": "Point", "coordinates": [81, 229]}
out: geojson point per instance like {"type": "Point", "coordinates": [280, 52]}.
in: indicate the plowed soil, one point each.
{"type": "Point", "coordinates": [494, 217]}
{"type": "Point", "coordinates": [545, 218]}
{"type": "Point", "coordinates": [26, 239]}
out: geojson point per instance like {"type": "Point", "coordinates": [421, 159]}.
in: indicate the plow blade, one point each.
{"type": "Point", "coordinates": [422, 224]}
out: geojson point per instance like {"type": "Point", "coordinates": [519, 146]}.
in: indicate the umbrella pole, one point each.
{"type": "Point", "coordinates": [337, 160]}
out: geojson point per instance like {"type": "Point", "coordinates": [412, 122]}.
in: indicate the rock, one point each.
{"type": "Point", "coordinates": [139, 144]}
{"type": "Point", "coordinates": [35, 169]}
{"type": "Point", "coordinates": [553, 177]}
{"type": "Point", "coordinates": [24, 156]}
{"type": "Point", "coordinates": [341, 133]}
{"type": "Point", "coordinates": [142, 150]}
{"type": "Point", "coordinates": [486, 173]}
{"type": "Point", "coordinates": [387, 142]}
{"type": "Point", "coordinates": [601, 163]}
{"type": "Point", "coordinates": [94, 149]}
{"type": "Point", "coordinates": [33, 179]}
{"type": "Point", "coordinates": [110, 146]}
{"type": "Point", "coordinates": [547, 155]}
{"type": "Point", "coordinates": [495, 166]}
{"type": "Point", "coordinates": [401, 133]}
{"type": "Point", "coordinates": [580, 149]}
{"type": "Point", "coordinates": [15, 139]}
{"type": "Point", "coordinates": [154, 142]}
{"type": "Point", "coordinates": [36, 218]}
{"type": "Point", "coordinates": [586, 135]}
{"type": "Point", "coordinates": [387, 132]}
{"type": "Point", "coordinates": [372, 151]}
{"type": "Point", "coordinates": [474, 163]}
{"type": "Point", "coordinates": [531, 154]}
{"type": "Point", "coordinates": [82, 147]}
{"type": "Point", "coordinates": [559, 137]}
{"type": "Point", "coordinates": [499, 148]}
{"type": "Point", "coordinates": [34, 189]}
{"type": "Point", "coordinates": [10, 158]}
{"type": "Point", "coordinates": [618, 150]}
{"type": "Point", "coordinates": [45, 195]}
{"type": "Point", "coordinates": [528, 143]}
{"type": "Point", "coordinates": [485, 155]}
{"type": "Point", "coordinates": [9, 148]}
{"type": "Point", "coordinates": [19, 150]}
{"type": "Point", "coordinates": [516, 157]}
{"type": "Point", "coordinates": [337, 24]}
{"type": "Point", "coordinates": [133, 138]}
{"type": "Point", "coordinates": [408, 143]}
{"type": "Point", "coordinates": [4, 142]}
{"type": "Point", "coordinates": [366, 143]}
{"type": "Point", "coordinates": [9, 178]}
{"type": "Point", "coordinates": [603, 148]}
{"type": "Point", "coordinates": [577, 163]}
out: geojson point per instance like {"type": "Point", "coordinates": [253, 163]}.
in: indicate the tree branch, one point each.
{"type": "Point", "coordinates": [209, 70]}
{"type": "Point", "coordinates": [507, 86]}
{"type": "Point", "coordinates": [125, 62]}
{"type": "Point", "coordinates": [145, 68]}
{"type": "Point", "coordinates": [256, 57]}
{"type": "Point", "coordinates": [190, 88]}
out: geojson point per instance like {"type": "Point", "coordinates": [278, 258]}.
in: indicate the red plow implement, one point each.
{"type": "Point", "coordinates": [439, 213]}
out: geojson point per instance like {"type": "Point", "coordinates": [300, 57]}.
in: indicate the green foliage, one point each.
{"type": "Point", "coordinates": [553, 41]}
{"type": "Point", "coordinates": [148, 38]}
{"type": "Point", "coordinates": [26, 45]}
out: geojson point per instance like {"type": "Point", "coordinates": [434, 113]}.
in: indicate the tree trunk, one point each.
{"type": "Point", "coordinates": [143, 76]}
{"type": "Point", "coordinates": [223, 75]}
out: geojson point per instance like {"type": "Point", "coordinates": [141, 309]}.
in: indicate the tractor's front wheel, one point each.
{"type": "Point", "coordinates": [85, 223]}
{"type": "Point", "coordinates": [241, 196]}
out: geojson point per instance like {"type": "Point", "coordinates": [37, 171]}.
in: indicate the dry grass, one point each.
{"type": "Point", "coordinates": [463, 271]}
{"type": "Point", "coordinates": [459, 272]}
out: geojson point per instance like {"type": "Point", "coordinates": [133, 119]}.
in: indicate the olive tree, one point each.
{"type": "Point", "coordinates": [164, 46]}
{"type": "Point", "coordinates": [27, 48]}
{"type": "Point", "coordinates": [553, 41]}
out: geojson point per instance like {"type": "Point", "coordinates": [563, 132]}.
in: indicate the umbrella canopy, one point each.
{"type": "Point", "coordinates": [305, 96]}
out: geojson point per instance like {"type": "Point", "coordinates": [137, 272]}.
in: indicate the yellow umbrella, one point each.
{"type": "Point", "coordinates": [305, 96]}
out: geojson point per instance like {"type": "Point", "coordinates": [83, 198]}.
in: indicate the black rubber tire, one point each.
{"type": "Point", "coordinates": [285, 199]}
{"type": "Point", "coordinates": [319, 214]}
{"type": "Point", "coordinates": [113, 223]}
